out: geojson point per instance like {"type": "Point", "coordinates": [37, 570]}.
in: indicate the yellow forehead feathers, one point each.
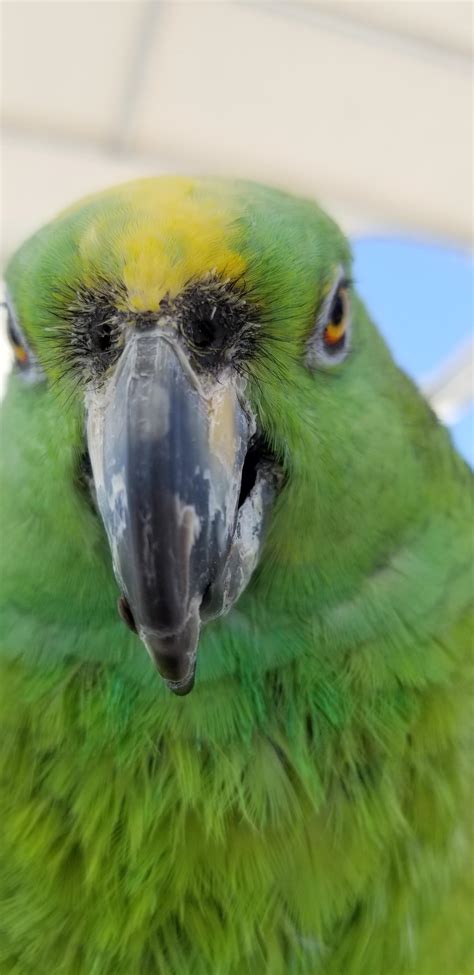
{"type": "Point", "coordinates": [174, 236]}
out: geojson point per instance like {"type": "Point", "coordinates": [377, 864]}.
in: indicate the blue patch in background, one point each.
{"type": "Point", "coordinates": [420, 295]}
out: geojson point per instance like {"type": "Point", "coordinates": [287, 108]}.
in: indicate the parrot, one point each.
{"type": "Point", "coordinates": [236, 605]}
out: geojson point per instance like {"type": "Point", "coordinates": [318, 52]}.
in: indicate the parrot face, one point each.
{"type": "Point", "coordinates": [173, 444]}
{"type": "Point", "coordinates": [187, 321]}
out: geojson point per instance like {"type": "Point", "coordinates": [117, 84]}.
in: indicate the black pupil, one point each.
{"type": "Point", "coordinates": [337, 312]}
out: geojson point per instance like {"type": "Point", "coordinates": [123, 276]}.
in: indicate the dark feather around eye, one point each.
{"type": "Point", "coordinates": [218, 322]}
{"type": "Point", "coordinates": [86, 336]}
{"type": "Point", "coordinates": [103, 336]}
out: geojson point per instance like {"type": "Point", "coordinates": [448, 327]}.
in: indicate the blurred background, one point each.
{"type": "Point", "coordinates": [365, 105]}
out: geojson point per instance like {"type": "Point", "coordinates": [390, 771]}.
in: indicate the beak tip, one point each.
{"type": "Point", "coordinates": [174, 655]}
{"type": "Point", "coordinates": [182, 687]}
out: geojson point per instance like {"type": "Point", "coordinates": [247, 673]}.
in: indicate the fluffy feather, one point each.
{"type": "Point", "coordinates": [306, 809]}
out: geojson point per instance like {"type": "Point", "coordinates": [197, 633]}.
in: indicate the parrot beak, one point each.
{"type": "Point", "coordinates": [167, 448]}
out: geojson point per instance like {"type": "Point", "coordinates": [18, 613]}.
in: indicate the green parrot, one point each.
{"type": "Point", "coordinates": [209, 454]}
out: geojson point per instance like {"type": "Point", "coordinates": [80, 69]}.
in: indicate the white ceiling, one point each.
{"type": "Point", "coordinates": [447, 26]}
{"type": "Point", "coordinates": [366, 105]}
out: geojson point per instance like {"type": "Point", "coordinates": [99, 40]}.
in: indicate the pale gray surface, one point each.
{"type": "Point", "coordinates": [365, 105]}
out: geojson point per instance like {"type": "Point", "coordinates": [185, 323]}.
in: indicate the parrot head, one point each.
{"type": "Point", "coordinates": [202, 330]}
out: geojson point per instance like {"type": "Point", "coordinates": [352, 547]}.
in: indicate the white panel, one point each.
{"type": "Point", "coordinates": [40, 178]}
{"type": "Point", "coordinates": [444, 24]}
{"type": "Point", "coordinates": [31, 195]}
{"type": "Point", "coordinates": [450, 389]}
{"type": "Point", "coordinates": [241, 91]}
{"type": "Point", "coordinates": [65, 63]}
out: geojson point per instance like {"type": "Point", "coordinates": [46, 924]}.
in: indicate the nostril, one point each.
{"type": "Point", "coordinates": [206, 598]}
{"type": "Point", "coordinates": [126, 614]}
{"type": "Point", "coordinates": [249, 476]}
{"type": "Point", "coordinates": [256, 454]}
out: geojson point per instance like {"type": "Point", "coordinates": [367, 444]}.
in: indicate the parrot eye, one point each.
{"type": "Point", "coordinates": [16, 340]}
{"type": "Point", "coordinates": [328, 342]}
{"type": "Point", "coordinates": [335, 331]}
{"type": "Point", "coordinates": [25, 360]}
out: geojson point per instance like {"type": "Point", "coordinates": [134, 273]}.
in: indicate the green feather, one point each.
{"type": "Point", "coordinates": [306, 810]}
